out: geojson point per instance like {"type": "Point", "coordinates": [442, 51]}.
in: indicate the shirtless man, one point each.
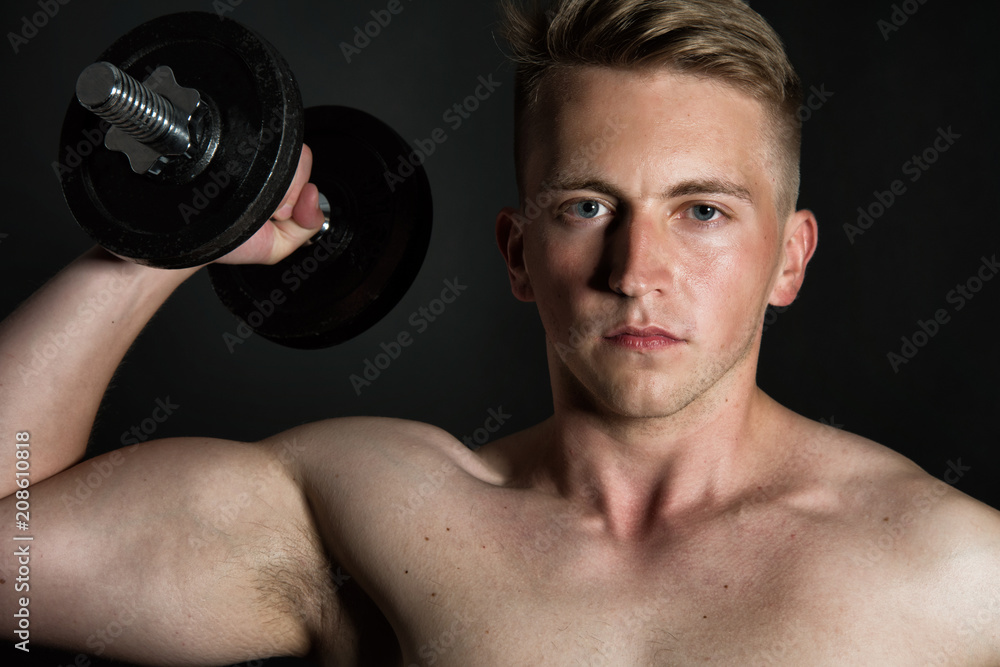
{"type": "Point", "coordinates": [668, 513]}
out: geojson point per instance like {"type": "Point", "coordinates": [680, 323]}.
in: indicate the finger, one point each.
{"type": "Point", "coordinates": [299, 181]}
{"type": "Point", "coordinates": [305, 222]}
{"type": "Point", "coordinates": [307, 212]}
{"type": "Point", "coordinates": [275, 240]}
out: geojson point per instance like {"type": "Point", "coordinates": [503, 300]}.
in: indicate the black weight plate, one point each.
{"type": "Point", "coordinates": [315, 299]}
{"type": "Point", "coordinates": [200, 209]}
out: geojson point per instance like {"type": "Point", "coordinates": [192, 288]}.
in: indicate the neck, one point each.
{"type": "Point", "coordinates": [637, 473]}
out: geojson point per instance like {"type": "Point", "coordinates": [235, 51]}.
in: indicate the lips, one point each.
{"type": "Point", "coordinates": [642, 338]}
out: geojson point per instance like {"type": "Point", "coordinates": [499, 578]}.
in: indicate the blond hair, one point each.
{"type": "Point", "coordinates": [723, 40]}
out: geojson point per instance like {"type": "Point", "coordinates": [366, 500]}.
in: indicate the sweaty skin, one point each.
{"type": "Point", "coordinates": [668, 513]}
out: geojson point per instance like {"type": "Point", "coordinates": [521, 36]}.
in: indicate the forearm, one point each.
{"type": "Point", "coordinates": [60, 349]}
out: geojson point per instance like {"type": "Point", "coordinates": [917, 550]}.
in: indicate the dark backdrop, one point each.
{"type": "Point", "coordinates": [879, 97]}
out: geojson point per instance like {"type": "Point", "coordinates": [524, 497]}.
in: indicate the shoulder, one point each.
{"type": "Point", "coordinates": [944, 551]}
{"type": "Point", "coordinates": [355, 449]}
{"type": "Point", "coordinates": [866, 478]}
{"type": "Point", "coordinates": [915, 538]}
{"type": "Point", "coordinates": [362, 480]}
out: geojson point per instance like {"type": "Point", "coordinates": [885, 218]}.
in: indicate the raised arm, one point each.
{"type": "Point", "coordinates": [194, 544]}
{"type": "Point", "coordinates": [60, 349]}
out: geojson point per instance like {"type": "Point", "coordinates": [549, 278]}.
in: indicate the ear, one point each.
{"type": "Point", "coordinates": [801, 237]}
{"type": "Point", "coordinates": [510, 240]}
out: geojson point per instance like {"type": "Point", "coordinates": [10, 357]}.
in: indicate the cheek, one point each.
{"type": "Point", "coordinates": [732, 278]}
{"type": "Point", "coordinates": [561, 276]}
{"type": "Point", "coordinates": [548, 278]}
{"type": "Point", "coordinates": [557, 267]}
{"type": "Point", "coordinates": [704, 267]}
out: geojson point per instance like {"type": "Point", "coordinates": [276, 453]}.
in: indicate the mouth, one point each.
{"type": "Point", "coordinates": [642, 338]}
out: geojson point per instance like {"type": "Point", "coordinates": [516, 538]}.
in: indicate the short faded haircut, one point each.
{"type": "Point", "coordinates": [722, 40]}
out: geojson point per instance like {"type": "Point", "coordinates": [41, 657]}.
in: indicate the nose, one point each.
{"type": "Point", "coordinates": [639, 256]}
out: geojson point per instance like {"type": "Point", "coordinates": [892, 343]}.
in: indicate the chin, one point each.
{"type": "Point", "coordinates": [632, 404]}
{"type": "Point", "coordinates": [634, 395]}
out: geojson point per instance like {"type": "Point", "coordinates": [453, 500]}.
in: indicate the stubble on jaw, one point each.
{"type": "Point", "coordinates": [686, 403]}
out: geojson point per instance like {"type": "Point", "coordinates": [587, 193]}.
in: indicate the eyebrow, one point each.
{"type": "Point", "coordinates": [709, 186]}
{"type": "Point", "coordinates": [698, 186]}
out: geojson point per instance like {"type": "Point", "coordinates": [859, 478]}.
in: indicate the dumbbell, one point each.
{"type": "Point", "coordinates": [183, 139]}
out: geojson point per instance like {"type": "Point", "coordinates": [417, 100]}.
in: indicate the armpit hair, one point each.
{"type": "Point", "coordinates": [294, 579]}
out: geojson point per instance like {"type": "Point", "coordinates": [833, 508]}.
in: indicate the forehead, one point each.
{"type": "Point", "coordinates": [647, 129]}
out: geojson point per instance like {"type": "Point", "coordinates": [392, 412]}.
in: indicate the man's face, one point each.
{"type": "Point", "coordinates": [648, 236]}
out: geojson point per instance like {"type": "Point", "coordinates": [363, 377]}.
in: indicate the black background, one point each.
{"type": "Point", "coordinates": [826, 357]}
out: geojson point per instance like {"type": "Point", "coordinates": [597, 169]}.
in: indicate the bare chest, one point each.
{"type": "Point", "coordinates": [536, 590]}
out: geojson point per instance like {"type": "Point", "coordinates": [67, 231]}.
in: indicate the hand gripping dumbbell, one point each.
{"type": "Point", "coordinates": [185, 137]}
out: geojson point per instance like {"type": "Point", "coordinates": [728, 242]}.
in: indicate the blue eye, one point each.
{"type": "Point", "coordinates": [703, 212]}
{"type": "Point", "coordinates": [587, 209]}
